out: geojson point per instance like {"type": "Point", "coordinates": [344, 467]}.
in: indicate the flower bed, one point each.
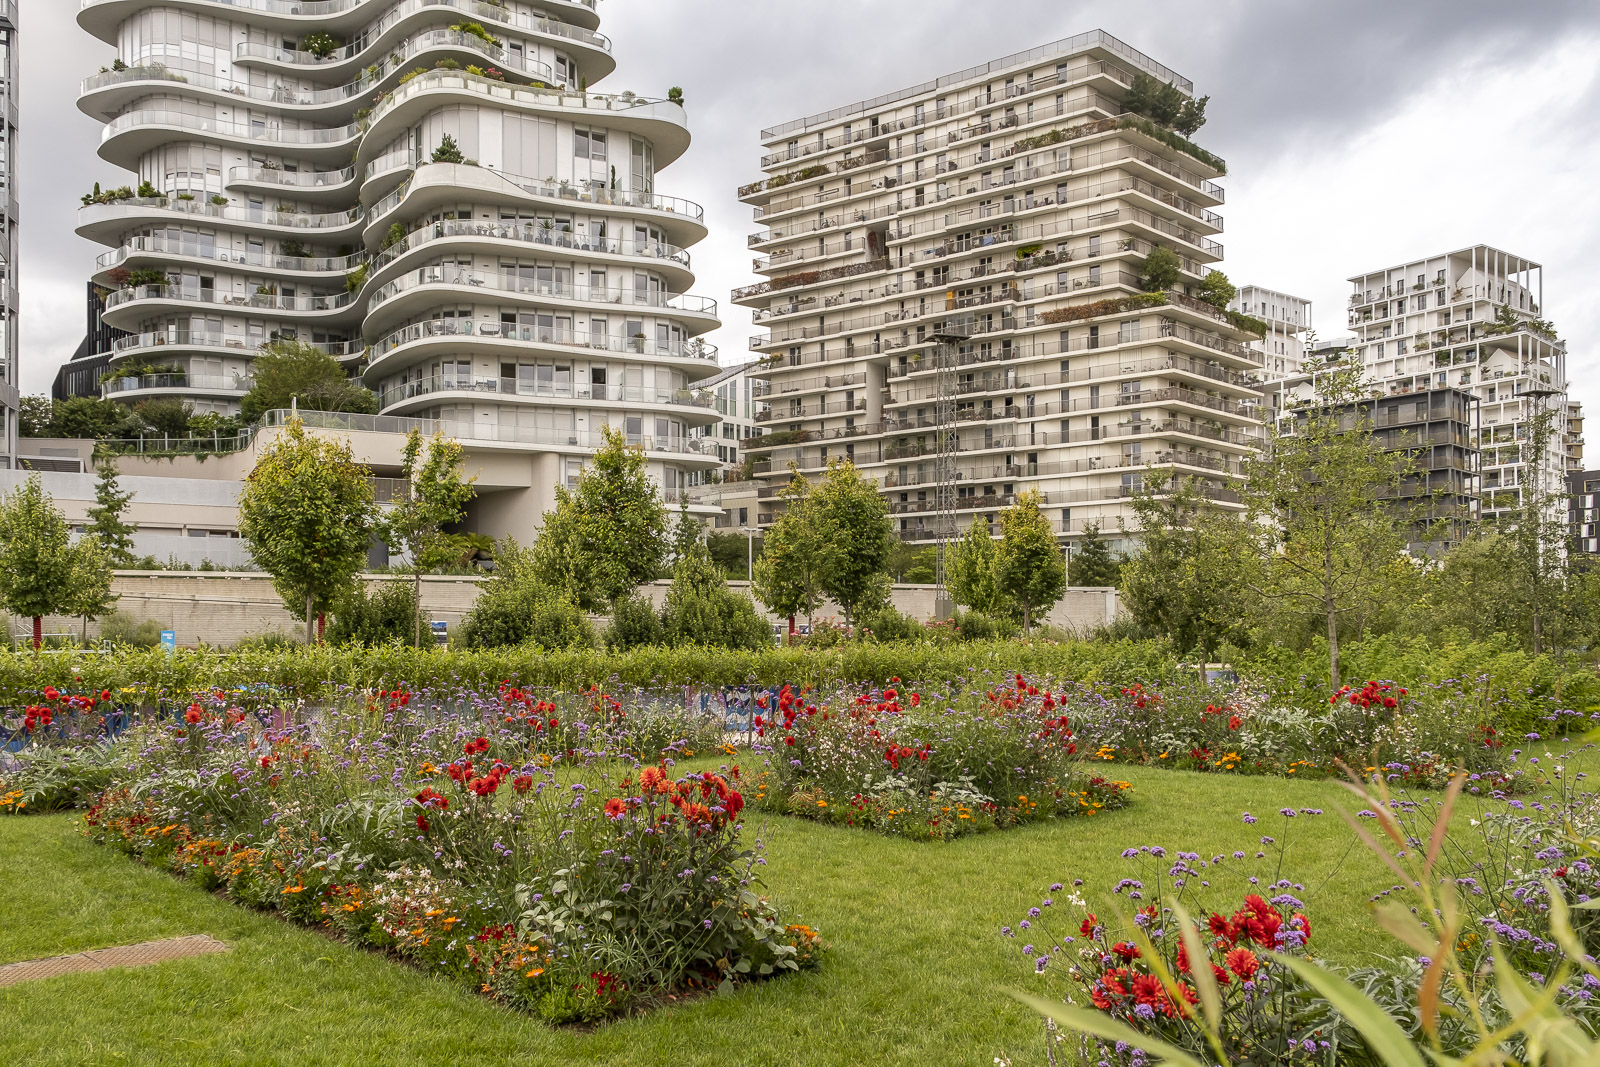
{"type": "Point", "coordinates": [932, 768]}
{"type": "Point", "coordinates": [504, 842]}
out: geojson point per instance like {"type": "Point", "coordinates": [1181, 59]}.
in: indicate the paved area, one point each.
{"type": "Point", "coordinates": [104, 959]}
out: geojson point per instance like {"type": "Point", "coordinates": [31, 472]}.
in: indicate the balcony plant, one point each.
{"type": "Point", "coordinates": [321, 45]}
{"type": "Point", "coordinates": [476, 29]}
{"type": "Point", "coordinates": [675, 95]}
{"type": "Point", "coordinates": [219, 200]}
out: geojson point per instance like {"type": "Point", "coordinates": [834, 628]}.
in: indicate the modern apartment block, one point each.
{"type": "Point", "coordinates": [1288, 319]}
{"type": "Point", "coordinates": [1471, 320]}
{"type": "Point", "coordinates": [736, 394]}
{"type": "Point", "coordinates": [1583, 516]}
{"type": "Point", "coordinates": [10, 309]}
{"type": "Point", "coordinates": [425, 189]}
{"type": "Point", "coordinates": [954, 296]}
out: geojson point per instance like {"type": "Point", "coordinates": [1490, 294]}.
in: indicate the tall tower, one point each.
{"type": "Point", "coordinates": [960, 294]}
{"type": "Point", "coordinates": [426, 190]}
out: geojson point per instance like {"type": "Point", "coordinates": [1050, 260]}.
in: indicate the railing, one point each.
{"type": "Point", "coordinates": [992, 442]}
{"type": "Point", "coordinates": [192, 123]}
{"type": "Point", "coordinates": [1038, 379]}
{"type": "Point", "coordinates": [395, 394]}
{"type": "Point", "coordinates": [252, 301]}
{"type": "Point", "coordinates": [476, 431]}
{"type": "Point", "coordinates": [813, 410]}
{"type": "Point", "coordinates": [208, 382]}
{"type": "Point", "coordinates": [531, 233]}
{"type": "Point", "coordinates": [290, 219]}
{"type": "Point", "coordinates": [626, 296]}
{"type": "Point", "coordinates": [1001, 472]}
{"type": "Point", "coordinates": [195, 250]}
{"type": "Point", "coordinates": [505, 92]}
{"type": "Point", "coordinates": [293, 179]}
{"type": "Point", "coordinates": [232, 342]}
{"type": "Point", "coordinates": [542, 335]}
{"type": "Point", "coordinates": [597, 193]}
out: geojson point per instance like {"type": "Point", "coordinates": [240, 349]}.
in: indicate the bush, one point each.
{"type": "Point", "coordinates": [702, 610]}
{"type": "Point", "coordinates": [120, 628]}
{"type": "Point", "coordinates": [973, 626]}
{"type": "Point", "coordinates": [270, 641]}
{"type": "Point", "coordinates": [388, 613]}
{"type": "Point", "coordinates": [634, 623]}
{"type": "Point", "coordinates": [49, 779]}
{"type": "Point", "coordinates": [526, 615]}
{"type": "Point", "coordinates": [887, 624]}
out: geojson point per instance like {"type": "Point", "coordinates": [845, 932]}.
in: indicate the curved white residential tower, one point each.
{"type": "Point", "coordinates": [297, 165]}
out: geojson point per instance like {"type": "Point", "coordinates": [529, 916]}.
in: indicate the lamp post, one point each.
{"type": "Point", "coordinates": [750, 554]}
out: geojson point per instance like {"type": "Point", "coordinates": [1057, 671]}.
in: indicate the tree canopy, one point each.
{"type": "Point", "coordinates": [1029, 569]}
{"type": "Point", "coordinates": [288, 370]}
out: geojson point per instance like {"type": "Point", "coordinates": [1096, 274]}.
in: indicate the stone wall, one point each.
{"type": "Point", "coordinates": [220, 608]}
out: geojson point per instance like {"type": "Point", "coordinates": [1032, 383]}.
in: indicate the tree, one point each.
{"type": "Point", "coordinates": [391, 612]}
{"type": "Point", "coordinates": [686, 532]}
{"type": "Point", "coordinates": [307, 510]}
{"type": "Point", "coordinates": [91, 417]}
{"type": "Point", "coordinates": [36, 561]}
{"type": "Point", "coordinates": [1538, 532]}
{"type": "Point", "coordinates": [969, 572]}
{"type": "Point", "coordinates": [89, 595]}
{"type": "Point", "coordinates": [1186, 581]}
{"type": "Point", "coordinates": [1092, 564]}
{"type": "Point", "coordinates": [861, 537]}
{"type": "Point", "coordinates": [1191, 116]}
{"type": "Point", "coordinates": [105, 518]}
{"type": "Point", "coordinates": [702, 610]}
{"type": "Point", "coordinates": [167, 415]}
{"type": "Point", "coordinates": [448, 151]}
{"type": "Point", "coordinates": [518, 606]}
{"type": "Point", "coordinates": [288, 371]}
{"type": "Point", "coordinates": [1162, 269]}
{"type": "Point", "coordinates": [917, 564]}
{"type": "Point", "coordinates": [1324, 500]}
{"type": "Point", "coordinates": [735, 553]}
{"type": "Point", "coordinates": [33, 416]}
{"type": "Point", "coordinates": [1216, 290]}
{"type": "Point", "coordinates": [438, 498]}
{"type": "Point", "coordinates": [1028, 565]}
{"type": "Point", "coordinates": [795, 553]}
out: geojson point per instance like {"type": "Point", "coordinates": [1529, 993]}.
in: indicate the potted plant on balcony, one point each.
{"type": "Point", "coordinates": [321, 45]}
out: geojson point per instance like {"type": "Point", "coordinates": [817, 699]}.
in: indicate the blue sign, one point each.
{"type": "Point", "coordinates": [169, 640]}
{"type": "Point", "coordinates": [441, 632]}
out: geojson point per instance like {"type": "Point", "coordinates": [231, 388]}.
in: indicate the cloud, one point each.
{"type": "Point", "coordinates": [1358, 134]}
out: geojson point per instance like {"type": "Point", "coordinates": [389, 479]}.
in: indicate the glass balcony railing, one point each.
{"type": "Point", "coordinates": [532, 233]}
{"type": "Point", "coordinates": [248, 302]}
{"type": "Point", "coordinates": [594, 192]}
{"type": "Point", "coordinates": [228, 383]}
{"type": "Point", "coordinates": [194, 250]}
{"type": "Point", "coordinates": [553, 390]}
{"type": "Point", "coordinates": [560, 336]}
{"type": "Point", "coordinates": [176, 338]}
{"type": "Point", "coordinates": [483, 430]}
{"type": "Point", "coordinates": [624, 296]}
{"type": "Point", "coordinates": [246, 131]}
{"type": "Point", "coordinates": [297, 220]}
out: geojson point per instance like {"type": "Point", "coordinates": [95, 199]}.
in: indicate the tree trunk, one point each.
{"type": "Point", "coordinates": [38, 632]}
{"type": "Point", "coordinates": [311, 620]}
{"type": "Point", "coordinates": [1027, 616]}
{"type": "Point", "coordinates": [1333, 647]}
{"type": "Point", "coordinates": [86, 631]}
{"type": "Point", "coordinates": [322, 626]}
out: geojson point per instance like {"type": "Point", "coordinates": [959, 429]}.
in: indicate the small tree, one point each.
{"type": "Point", "coordinates": [969, 572]}
{"type": "Point", "coordinates": [448, 151]}
{"type": "Point", "coordinates": [609, 534]}
{"type": "Point", "coordinates": [36, 560]}
{"type": "Point", "coordinates": [307, 510]}
{"type": "Point", "coordinates": [438, 498]}
{"type": "Point", "coordinates": [1162, 269]}
{"type": "Point", "coordinates": [1191, 116]}
{"type": "Point", "coordinates": [1092, 563]}
{"type": "Point", "coordinates": [795, 553]}
{"type": "Point", "coordinates": [105, 518]}
{"type": "Point", "coordinates": [686, 532]}
{"type": "Point", "coordinates": [861, 536]}
{"type": "Point", "coordinates": [518, 606]}
{"type": "Point", "coordinates": [288, 371]}
{"type": "Point", "coordinates": [89, 595]}
{"type": "Point", "coordinates": [1028, 565]}
{"type": "Point", "coordinates": [1216, 290]}
{"type": "Point", "coordinates": [168, 415]}
{"type": "Point", "coordinates": [702, 610]}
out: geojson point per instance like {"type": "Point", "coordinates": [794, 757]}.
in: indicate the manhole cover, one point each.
{"type": "Point", "coordinates": [104, 959]}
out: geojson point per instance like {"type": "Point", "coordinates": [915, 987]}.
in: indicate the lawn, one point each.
{"type": "Point", "coordinates": [916, 972]}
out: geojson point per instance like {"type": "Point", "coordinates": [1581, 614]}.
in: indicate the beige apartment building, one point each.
{"type": "Point", "coordinates": [954, 297]}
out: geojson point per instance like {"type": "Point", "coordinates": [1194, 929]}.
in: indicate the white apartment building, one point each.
{"type": "Point", "coordinates": [735, 393]}
{"type": "Point", "coordinates": [1472, 320]}
{"type": "Point", "coordinates": [427, 190]}
{"type": "Point", "coordinates": [961, 261]}
{"type": "Point", "coordinates": [1288, 319]}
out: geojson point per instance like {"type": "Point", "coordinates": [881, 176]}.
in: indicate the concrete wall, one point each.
{"type": "Point", "coordinates": [222, 608]}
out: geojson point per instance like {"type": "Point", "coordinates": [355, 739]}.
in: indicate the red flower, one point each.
{"type": "Point", "coordinates": [734, 803]}
{"type": "Point", "coordinates": [522, 783]}
{"type": "Point", "coordinates": [51, 693]}
{"type": "Point", "coordinates": [1243, 962]}
{"type": "Point", "coordinates": [1124, 951]}
{"type": "Point", "coordinates": [788, 740]}
{"type": "Point", "coordinates": [422, 823]}
{"type": "Point", "coordinates": [1234, 722]}
{"type": "Point", "coordinates": [1086, 928]}
{"type": "Point", "coordinates": [192, 716]}
{"type": "Point", "coordinates": [916, 698]}
{"type": "Point", "coordinates": [615, 809]}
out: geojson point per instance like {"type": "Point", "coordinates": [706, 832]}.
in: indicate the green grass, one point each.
{"type": "Point", "coordinates": [916, 974]}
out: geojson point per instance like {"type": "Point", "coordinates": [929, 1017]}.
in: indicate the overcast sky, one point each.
{"type": "Point", "coordinates": [1358, 134]}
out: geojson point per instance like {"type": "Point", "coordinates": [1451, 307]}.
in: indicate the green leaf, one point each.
{"type": "Point", "coordinates": [1106, 1028]}
{"type": "Point", "coordinates": [1391, 1044]}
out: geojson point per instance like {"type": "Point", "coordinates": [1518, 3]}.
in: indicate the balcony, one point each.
{"type": "Point", "coordinates": [448, 332]}
{"type": "Point", "coordinates": [531, 233]}
{"type": "Point", "coordinates": [230, 384]}
{"type": "Point", "coordinates": [108, 221]}
{"type": "Point", "coordinates": [549, 390]}
{"type": "Point", "coordinates": [157, 248]}
{"type": "Point", "coordinates": [248, 302]}
{"type": "Point", "coordinates": [620, 297]}
{"type": "Point", "coordinates": [187, 339]}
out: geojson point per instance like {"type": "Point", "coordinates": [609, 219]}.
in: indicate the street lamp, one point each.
{"type": "Point", "coordinates": [750, 555]}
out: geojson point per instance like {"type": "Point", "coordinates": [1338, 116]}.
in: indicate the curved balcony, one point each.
{"type": "Point", "coordinates": [590, 50]}
{"type": "Point", "coordinates": [316, 186]}
{"type": "Point", "coordinates": [104, 95]}
{"type": "Point", "coordinates": [423, 340]}
{"type": "Point", "coordinates": [161, 250]}
{"type": "Point", "coordinates": [138, 387]}
{"type": "Point", "coordinates": [130, 135]}
{"type": "Point", "coordinates": [697, 312]}
{"type": "Point", "coordinates": [698, 406]}
{"type": "Point", "coordinates": [102, 17]}
{"type": "Point", "coordinates": [493, 236]}
{"type": "Point", "coordinates": [207, 341]}
{"type": "Point", "coordinates": [441, 186]}
{"type": "Point", "coordinates": [105, 223]}
{"type": "Point", "coordinates": [137, 301]}
{"type": "Point", "coordinates": [660, 122]}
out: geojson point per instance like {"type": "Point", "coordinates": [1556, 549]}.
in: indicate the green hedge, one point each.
{"type": "Point", "coordinates": [313, 672]}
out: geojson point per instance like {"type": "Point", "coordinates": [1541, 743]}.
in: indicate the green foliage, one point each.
{"type": "Point", "coordinates": [105, 518]}
{"type": "Point", "coordinates": [389, 613]}
{"type": "Point", "coordinates": [1185, 581]}
{"type": "Point", "coordinates": [977, 626]}
{"type": "Point", "coordinates": [1166, 104]}
{"type": "Point", "coordinates": [1162, 270]}
{"type": "Point", "coordinates": [308, 512]}
{"type": "Point", "coordinates": [1174, 141]}
{"type": "Point", "coordinates": [448, 151]}
{"type": "Point", "coordinates": [854, 518]}
{"type": "Point", "coordinates": [888, 624]}
{"type": "Point", "coordinates": [79, 416]}
{"type": "Point", "coordinates": [1028, 567]}
{"type": "Point", "coordinates": [733, 552]}
{"type": "Point", "coordinates": [969, 572]}
{"type": "Point", "coordinates": [675, 95]}
{"type": "Point", "coordinates": [120, 628]}
{"type": "Point", "coordinates": [1092, 563]}
{"type": "Point", "coordinates": [33, 416]}
{"type": "Point", "coordinates": [796, 553]}
{"type": "Point", "coordinates": [321, 45]}
{"type": "Point", "coordinates": [89, 594]}
{"type": "Point", "coordinates": [396, 234]}
{"type": "Point", "coordinates": [519, 607]}
{"type": "Point", "coordinates": [702, 610]}
{"type": "Point", "coordinates": [914, 565]}
{"type": "Point", "coordinates": [357, 278]}
{"type": "Point", "coordinates": [608, 535]}
{"type": "Point", "coordinates": [438, 498]}
{"type": "Point", "coordinates": [288, 371]}
{"type": "Point", "coordinates": [476, 29]}
{"type": "Point", "coordinates": [1216, 290]}
{"type": "Point", "coordinates": [38, 567]}
{"type": "Point", "coordinates": [687, 532]}
{"type": "Point", "coordinates": [634, 624]}
{"type": "Point", "coordinates": [167, 415]}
